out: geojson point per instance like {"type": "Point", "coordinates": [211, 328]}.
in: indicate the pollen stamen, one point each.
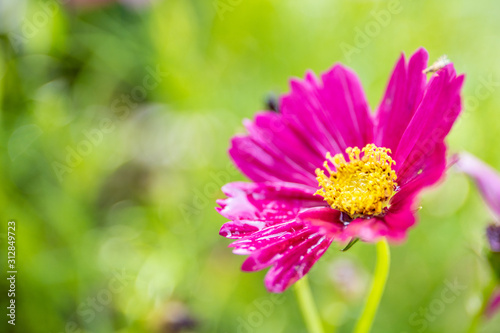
{"type": "Point", "coordinates": [362, 186]}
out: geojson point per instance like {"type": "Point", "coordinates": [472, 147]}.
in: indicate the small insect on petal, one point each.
{"type": "Point", "coordinates": [272, 102]}
{"type": "Point", "coordinates": [437, 65]}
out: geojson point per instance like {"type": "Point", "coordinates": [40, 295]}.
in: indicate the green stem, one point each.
{"type": "Point", "coordinates": [307, 306]}
{"type": "Point", "coordinates": [478, 317]}
{"type": "Point", "coordinates": [377, 289]}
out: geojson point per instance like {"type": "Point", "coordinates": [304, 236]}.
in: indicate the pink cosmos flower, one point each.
{"type": "Point", "coordinates": [324, 168]}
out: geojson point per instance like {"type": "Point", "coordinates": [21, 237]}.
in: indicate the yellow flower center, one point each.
{"type": "Point", "coordinates": [362, 186]}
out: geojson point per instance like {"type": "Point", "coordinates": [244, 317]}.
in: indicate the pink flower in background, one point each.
{"type": "Point", "coordinates": [488, 183]}
{"type": "Point", "coordinates": [325, 169]}
{"type": "Point", "coordinates": [485, 177]}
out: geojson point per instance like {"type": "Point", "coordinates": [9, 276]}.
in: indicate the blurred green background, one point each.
{"type": "Point", "coordinates": [115, 121]}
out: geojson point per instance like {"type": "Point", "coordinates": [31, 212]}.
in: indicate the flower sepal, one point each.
{"type": "Point", "coordinates": [350, 244]}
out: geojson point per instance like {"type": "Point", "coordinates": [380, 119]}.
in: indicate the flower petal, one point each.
{"type": "Point", "coordinates": [296, 263]}
{"type": "Point", "coordinates": [346, 108]}
{"type": "Point", "coordinates": [253, 206]}
{"type": "Point", "coordinates": [432, 169]}
{"type": "Point", "coordinates": [400, 218]}
{"type": "Point", "coordinates": [317, 116]}
{"type": "Point", "coordinates": [325, 220]}
{"type": "Point", "coordinates": [290, 247]}
{"type": "Point", "coordinates": [266, 237]}
{"type": "Point", "coordinates": [403, 94]}
{"type": "Point", "coordinates": [394, 226]}
{"type": "Point", "coordinates": [486, 178]}
{"type": "Point", "coordinates": [273, 151]}
{"type": "Point", "coordinates": [432, 121]}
